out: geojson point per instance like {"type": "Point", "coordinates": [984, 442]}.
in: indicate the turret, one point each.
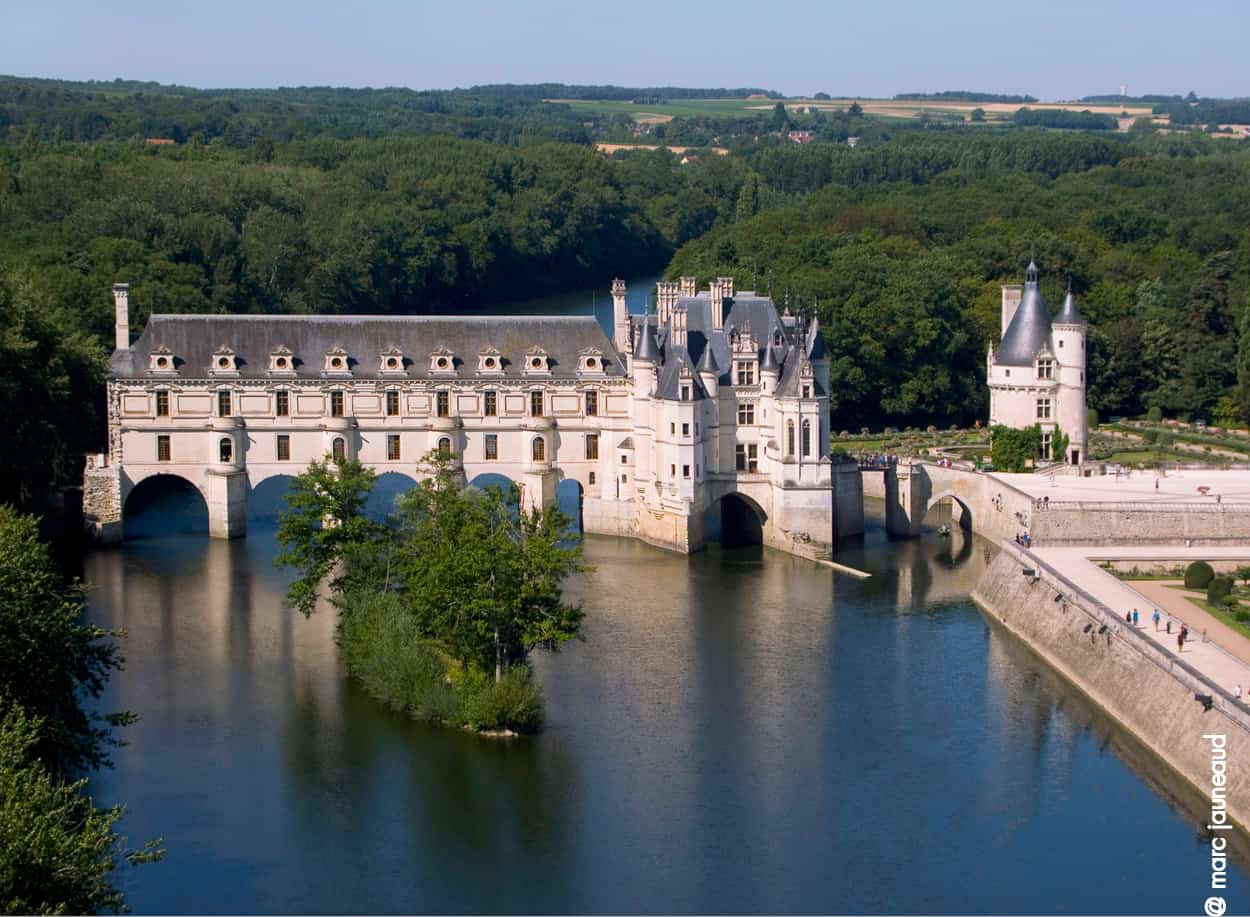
{"type": "Point", "coordinates": [770, 370]}
{"type": "Point", "coordinates": [709, 372]}
{"type": "Point", "coordinates": [620, 316]}
{"type": "Point", "coordinates": [646, 358]}
{"type": "Point", "coordinates": [121, 306]}
{"type": "Point", "coordinates": [1068, 346]}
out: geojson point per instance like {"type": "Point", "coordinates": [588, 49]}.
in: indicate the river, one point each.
{"type": "Point", "coordinates": [739, 731]}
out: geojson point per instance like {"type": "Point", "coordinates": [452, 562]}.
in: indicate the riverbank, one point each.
{"type": "Point", "coordinates": [1155, 695]}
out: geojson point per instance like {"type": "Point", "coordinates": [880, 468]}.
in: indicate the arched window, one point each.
{"type": "Point", "coordinates": [807, 437]}
{"type": "Point", "coordinates": [225, 449]}
{"type": "Point", "coordinates": [444, 447]}
{"type": "Point", "coordinates": [539, 449]}
{"type": "Point", "coordinates": [789, 437]}
{"type": "Point", "coordinates": [338, 449]}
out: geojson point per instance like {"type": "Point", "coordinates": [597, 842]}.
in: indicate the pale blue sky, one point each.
{"type": "Point", "coordinates": [1054, 50]}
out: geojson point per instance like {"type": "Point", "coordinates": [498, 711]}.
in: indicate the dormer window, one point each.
{"type": "Point", "coordinates": [224, 362]}
{"type": "Point", "coordinates": [391, 362]}
{"type": "Point", "coordinates": [590, 362]}
{"type": "Point", "coordinates": [281, 361]}
{"type": "Point", "coordinates": [337, 362]}
{"type": "Point", "coordinates": [443, 362]}
{"type": "Point", "coordinates": [537, 363]}
{"type": "Point", "coordinates": [1045, 368]}
{"type": "Point", "coordinates": [490, 362]}
{"type": "Point", "coordinates": [162, 360]}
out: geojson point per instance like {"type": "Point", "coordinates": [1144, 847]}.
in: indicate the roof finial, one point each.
{"type": "Point", "coordinates": [1030, 273]}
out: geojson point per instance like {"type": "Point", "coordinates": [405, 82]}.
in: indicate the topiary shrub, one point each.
{"type": "Point", "coordinates": [1241, 615]}
{"type": "Point", "coordinates": [1091, 418]}
{"type": "Point", "coordinates": [1155, 414]}
{"type": "Point", "coordinates": [1198, 575]}
{"type": "Point", "coordinates": [1218, 588]}
{"type": "Point", "coordinates": [1230, 601]}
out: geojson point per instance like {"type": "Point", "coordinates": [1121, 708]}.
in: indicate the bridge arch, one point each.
{"type": "Point", "coordinates": [489, 479]}
{"type": "Point", "coordinates": [164, 503]}
{"type": "Point", "coordinates": [569, 497]}
{"type": "Point", "coordinates": [735, 520]}
{"type": "Point", "coordinates": [267, 499]}
{"type": "Point", "coordinates": [387, 487]}
{"type": "Point", "coordinates": [960, 512]}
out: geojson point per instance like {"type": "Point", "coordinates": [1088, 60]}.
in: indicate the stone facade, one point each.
{"type": "Point", "coordinates": [716, 396]}
{"type": "Point", "coordinates": [1036, 374]}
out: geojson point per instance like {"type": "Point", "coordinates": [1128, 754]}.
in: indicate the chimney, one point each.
{"type": "Point", "coordinates": [1012, 294]}
{"type": "Point", "coordinates": [726, 287]}
{"type": "Point", "coordinates": [689, 286]}
{"type": "Point", "coordinates": [121, 304]}
{"type": "Point", "coordinates": [677, 331]}
{"type": "Point", "coordinates": [620, 317]}
{"type": "Point", "coordinates": [666, 299]}
{"type": "Point", "coordinates": [717, 305]}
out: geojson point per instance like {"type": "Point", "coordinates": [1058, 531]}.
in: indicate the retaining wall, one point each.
{"type": "Point", "coordinates": [1126, 523]}
{"type": "Point", "coordinates": [1148, 690]}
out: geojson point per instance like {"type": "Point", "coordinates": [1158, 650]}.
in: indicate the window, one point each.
{"type": "Point", "coordinates": [672, 471]}
{"type": "Point", "coordinates": [225, 450]}
{"type": "Point", "coordinates": [1046, 446]}
{"type": "Point", "coordinates": [752, 458]}
{"type": "Point", "coordinates": [746, 373]}
{"type": "Point", "coordinates": [538, 449]}
{"type": "Point", "coordinates": [162, 404]}
{"type": "Point", "coordinates": [789, 437]}
{"type": "Point", "coordinates": [442, 404]}
{"type": "Point", "coordinates": [392, 403]}
{"type": "Point", "coordinates": [746, 414]}
{"type": "Point", "coordinates": [1045, 369]}
{"type": "Point", "coordinates": [284, 447]}
{"type": "Point", "coordinates": [624, 479]}
{"type": "Point", "coordinates": [488, 404]}
{"type": "Point", "coordinates": [740, 457]}
{"type": "Point", "coordinates": [336, 404]}
{"type": "Point", "coordinates": [1043, 409]}
{"type": "Point", "coordinates": [392, 447]}
{"type": "Point", "coordinates": [685, 471]}
{"type": "Point", "coordinates": [685, 393]}
{"type": "Point", "coordinates": [807, 438]}
{"type": "Point", "coordinates": [624, 459]}
{"type": "Point", "coordinates": [592, 404]}
{"type": "Point", "coordinates": [281, 404]}
{"type": "Point", "coordinates": [685, 429]}
{"type": "Point", "coordinates": [162, 448]}
{"type": "Point", "coordinates": [492, 447]}
{"type": "Point", "coordinates": [672, 429]}
{"type": "Point", "coordinates": [444, 447]}
{"type": "Point", "coordinates": [591, 479]}
{"type": "Point", "coordinates": [592, 445]}
{"type": "Point", "coordinates": [223, 404]}
{"type": "Point", "coordinates": [338, 449]}
{"type": "Point", "coordinates": [536, 404]}
{"type": "Point", "coordinates": [807, 391]}
{"type": "Point", "coordinates": [1061, 343]}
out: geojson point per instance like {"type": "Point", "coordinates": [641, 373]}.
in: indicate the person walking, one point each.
{"type": "Point", "coordinates": [1180, 638]}
{"type": "Point", "coordinates": [1134, 617]}
{"type": "Point", "coordinates": [1168, 626]}
{"type": "Point", "coordinates": [1237, 693]}
{"type": "Point", "coordinates": [1156, 617]}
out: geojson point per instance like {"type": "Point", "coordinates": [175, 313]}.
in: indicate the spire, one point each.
{"type": "Point", "coordinates": [1030, 273]}
{"type": "Point", "coordinates": [1070, 314]}
{"type": "Point", "coordinates": [647, 348]}
{"type": "Point", "coordinates": [769, 363]}
{"type": "Point", "coordinates": [707, 362]}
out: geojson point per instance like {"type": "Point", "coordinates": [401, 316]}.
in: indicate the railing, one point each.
{"type": "Point", "coordinates": [1125, 507]}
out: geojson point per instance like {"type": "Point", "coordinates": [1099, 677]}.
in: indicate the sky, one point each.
{"type": "Point", "coordinates": [1055, 49]}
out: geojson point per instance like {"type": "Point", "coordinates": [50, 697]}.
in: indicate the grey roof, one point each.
{"type": "Point", "coordinates": [669, 382]}
{"type": "Point", "coordinates": [647, 348]}
{"type": "Point", "coordinates": [193, 339]}
{"type": "Point", "coordinates": [1069, 314]}
{"type": "Point", "coordinates": [707, 362]}
{"type": "Point", "coordinates": [769, 362]}
{"type": "Point", "coordinates": [1029, 329]}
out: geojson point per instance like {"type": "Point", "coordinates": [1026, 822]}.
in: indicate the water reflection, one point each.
{"type": "Point", "coordinates": [740, 731]}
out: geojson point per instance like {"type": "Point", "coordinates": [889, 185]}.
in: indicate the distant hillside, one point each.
{"type": "Point", "coordinates": [962, 95]}
{"type": "Point", "coordinates": [616, 93]}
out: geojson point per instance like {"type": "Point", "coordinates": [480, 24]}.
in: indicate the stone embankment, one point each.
{"type": "Point", "coordinates": [1151, 692]}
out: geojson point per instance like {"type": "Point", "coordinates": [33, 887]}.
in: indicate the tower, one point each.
{"type": "Point", "coordinates": [1068, 346]}
{"type": "Point", "coordinates": [620, 317]}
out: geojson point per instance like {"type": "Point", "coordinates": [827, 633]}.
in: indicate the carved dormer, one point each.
{"type": "Point", "coordinates": [537, 363]}
{"type": "Point", "coordinates": [281, 362]}
{"type": "Point", "coordinates": [391, 362]}
{"type": "Point", "coordinates": [744, 344]}
{"type": "Point", "coordinates": [162, 361]}
{"type": "Point", "coordinates": [590, 362]}
{"type": "Point", "coordinates": [489, 362]}
{"type": "Point", "coordinates": [225, 362]}
{"type": "Point", "coordinates": [442, 362]}
{"type": "Point", "coordinates": [337, 362]}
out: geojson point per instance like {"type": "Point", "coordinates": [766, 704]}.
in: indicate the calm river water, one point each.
{"type": "Point", "coordinates": [739, 731]}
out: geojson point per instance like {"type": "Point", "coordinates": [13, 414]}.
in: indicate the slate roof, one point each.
{"type": "Point", "coordinates": [1069, 314]}
{"type": "Point", "coordinates": [1029, 329]}
{"type": "Point", "coordinates": [193, 339]}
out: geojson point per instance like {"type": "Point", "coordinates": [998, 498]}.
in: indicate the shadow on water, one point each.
{"type": "Point", "coordinates": [165, 504]}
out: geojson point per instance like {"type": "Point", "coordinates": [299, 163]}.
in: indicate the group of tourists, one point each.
{"type": "Point", "coordinates": [1023, 539]}
{"type": "Point", "coordinates": [1182, 634]}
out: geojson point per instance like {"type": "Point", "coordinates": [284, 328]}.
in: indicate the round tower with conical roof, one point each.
{"type": "Point", "coordinates": [1068, 345]}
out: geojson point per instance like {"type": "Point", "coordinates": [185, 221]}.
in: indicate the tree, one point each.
{"type": "Point", "coordinates": [1243, 574]}
{"type": "Point", "coordinates": [781, 118]}
{"type": "Point", "coordinates": [1198, 574]}
{"type": "Point", "coordinates": [1013, 450]}
{"type": "Point", "coordinates": [58, 852]}
{"type": "Point", "coordinates": [977, 115]}
{"type": "Point", "coordinates": [480, 576]}
{"type": "Point", "coordinates": [323, 526]}
{"type": "Point", "coordinates": [856, 110]}
{"type": "Point", "coordinates": [50, 661]}
{"type": "Point", "coordinates": [1059, 442]}
{"type": "Point", "coordinates": [749, 197]}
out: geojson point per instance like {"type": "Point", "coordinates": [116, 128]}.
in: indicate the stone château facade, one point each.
{"type": "Point", "coordinates": [1036, 373]}
{"type": "Point", "coordinates": [716, 397]}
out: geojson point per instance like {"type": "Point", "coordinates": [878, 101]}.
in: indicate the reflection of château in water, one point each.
{"type": "Point", "coordinates": [717, 401]}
